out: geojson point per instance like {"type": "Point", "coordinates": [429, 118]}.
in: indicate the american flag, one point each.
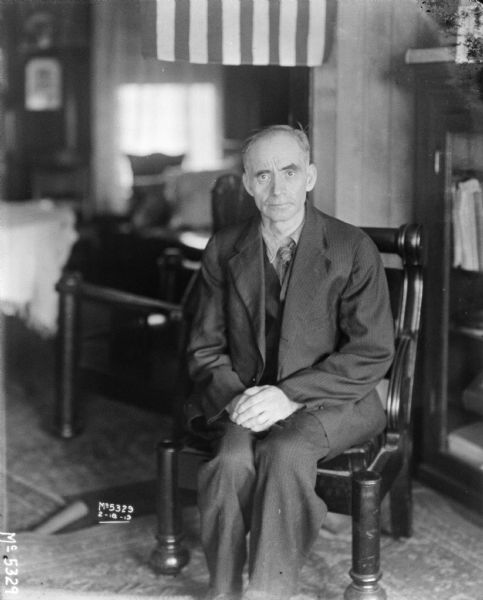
{"type": "Point", "coordinates": [236, 32]}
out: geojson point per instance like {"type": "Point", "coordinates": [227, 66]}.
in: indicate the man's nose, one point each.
{"type": "Point", "coordinates": [277, 184]}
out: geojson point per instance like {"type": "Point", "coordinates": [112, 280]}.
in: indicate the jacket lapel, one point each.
{"type": "Point", "coordinates": [246, 267]}
{"type": "Point", "coordinates": [309, 271]}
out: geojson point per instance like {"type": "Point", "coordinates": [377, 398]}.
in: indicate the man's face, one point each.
{"type": "Point", "coordinates": [278, 176]}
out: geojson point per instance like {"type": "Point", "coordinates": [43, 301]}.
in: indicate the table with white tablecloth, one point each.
{"type": "Point", "coordinates": [36, 238]}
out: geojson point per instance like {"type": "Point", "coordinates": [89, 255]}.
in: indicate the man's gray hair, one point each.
{"type": "Point", "coordinates": [299, 136]}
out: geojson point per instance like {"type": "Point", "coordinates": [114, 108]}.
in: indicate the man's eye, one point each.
{"type": "Point", "coordinates": [263, 177]}
{"type": "Point", "coordinates": [290, 173]}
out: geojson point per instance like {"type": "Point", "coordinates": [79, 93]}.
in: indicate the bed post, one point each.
{"type": "Point", "coordinates": [67, 355]}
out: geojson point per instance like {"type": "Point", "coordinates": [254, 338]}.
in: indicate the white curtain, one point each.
{"type": "Point", "coordinates": [144, 105]}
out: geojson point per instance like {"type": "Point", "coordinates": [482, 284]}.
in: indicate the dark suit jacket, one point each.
{"type": "Point", "coordinates": [336, 339]}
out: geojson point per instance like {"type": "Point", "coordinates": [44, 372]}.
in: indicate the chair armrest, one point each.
{"type": "Point", "coordinates": [400, 390]}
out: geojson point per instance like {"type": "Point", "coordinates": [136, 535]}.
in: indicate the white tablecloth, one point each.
{"type": "Point", "coordinates": [36, 238]}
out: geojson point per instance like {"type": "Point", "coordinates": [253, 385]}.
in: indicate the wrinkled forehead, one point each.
{"type": "Point", "coordinates": [279, 149]}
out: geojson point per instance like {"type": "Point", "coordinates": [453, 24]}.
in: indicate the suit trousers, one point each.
{"type": "Point", "coordinates": [262, 484]}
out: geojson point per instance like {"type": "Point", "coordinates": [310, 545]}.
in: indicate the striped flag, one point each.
{"type": "Point", "coordinates": [239, 32]}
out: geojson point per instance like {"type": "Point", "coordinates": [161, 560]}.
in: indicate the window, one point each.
{"type": "Point", "coordinates": [173, 118]}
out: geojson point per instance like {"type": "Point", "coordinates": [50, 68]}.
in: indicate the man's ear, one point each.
{"type": "Point", "coordinates": [246, 183]}
{"type": "Point", "coordinates": [311, 177]}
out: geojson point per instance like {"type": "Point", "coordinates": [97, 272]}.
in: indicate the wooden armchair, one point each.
{"type": "Point", "coordinates": [355, 482]}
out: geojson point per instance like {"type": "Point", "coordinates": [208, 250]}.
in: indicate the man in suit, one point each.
{"type": "Point", "coordinates": [292, 332]}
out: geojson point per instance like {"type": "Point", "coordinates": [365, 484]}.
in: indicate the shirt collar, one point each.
{"type": "Point", "coordinates": [273, 243]}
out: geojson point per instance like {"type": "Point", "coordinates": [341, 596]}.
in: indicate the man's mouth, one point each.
{"type": "Point", "coordinates": [277, 204]}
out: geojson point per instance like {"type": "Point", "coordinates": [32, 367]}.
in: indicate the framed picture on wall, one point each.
{"type": "Point", "coordinates": [43, 84]}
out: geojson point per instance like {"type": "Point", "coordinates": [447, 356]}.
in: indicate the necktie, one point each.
{"type": "Point", "coordinates": [284, 256]}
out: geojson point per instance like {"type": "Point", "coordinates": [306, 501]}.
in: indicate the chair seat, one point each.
{"type": "Point", "coordinates": [354, 459]}
{"type": "Point", "coordinates": [334, 477]}
{"type": "Point", "coordinates": [196, 450]}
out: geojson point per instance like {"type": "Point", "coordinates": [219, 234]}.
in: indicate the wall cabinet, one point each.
{"type": "Point", "coordinates": [449, 158]}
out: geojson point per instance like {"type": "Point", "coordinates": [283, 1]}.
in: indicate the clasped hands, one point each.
{"type": "Point", "coordinates": [259, 407]}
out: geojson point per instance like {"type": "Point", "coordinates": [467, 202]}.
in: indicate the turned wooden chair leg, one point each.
{"type": "Point", "coordinates": [401, 500]}
{"type": "Point", "coordinates": [66, 423]}
{"type": "Point", "coordinates": [169, 556]}
{"type": "Point", "coordinates": [401, 505]}
{"type": "Point", "coordinates": [366, 538]}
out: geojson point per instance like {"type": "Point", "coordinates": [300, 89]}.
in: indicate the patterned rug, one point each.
{"type": "Point", "coordinates": [50, 594]}
{"type": "Point", "coordinates": [442, 561]}
{"type": "Point", "coordinates": [117, 447]}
